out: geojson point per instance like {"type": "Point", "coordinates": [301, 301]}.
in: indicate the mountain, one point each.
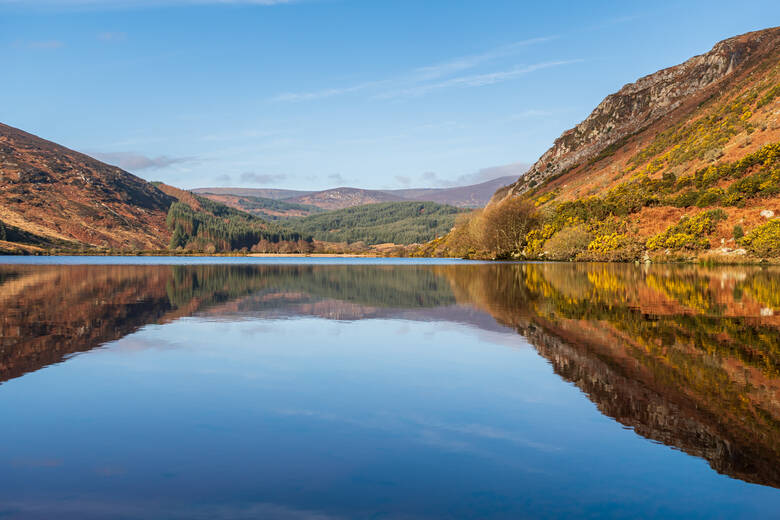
{"type": "Point", "coordinates": [51, 196]}
{"type": "Point", "coordinates": [630, 118]}
{"type": "Point", "coordinates": [472, 196]}
{"type": "Point", "coordinates": [681, 164]}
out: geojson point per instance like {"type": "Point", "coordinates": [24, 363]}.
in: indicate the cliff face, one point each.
{"type": "Point", "coordinates": [62, 196]}
{"type": "Point", "coordinates": [670, 94]}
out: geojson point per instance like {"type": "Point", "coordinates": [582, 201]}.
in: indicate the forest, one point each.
{"type": "Point", "coordinates": [396, 222]}
{"type": "Point", "coordinates": [215, 227]}
{"type": "Point", "coordinates": [269, 208]}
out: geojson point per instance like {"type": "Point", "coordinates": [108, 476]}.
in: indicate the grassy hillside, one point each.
{"type": "Point", "coordinates": [397, 222]}
{"type": "Point", "coordinates": [702, 180]}
{"type": "Point", "coordinates": [56, 198]}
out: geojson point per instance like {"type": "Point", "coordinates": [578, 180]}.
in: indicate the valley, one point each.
{"type": "Point", "coordinates": [682, 165]}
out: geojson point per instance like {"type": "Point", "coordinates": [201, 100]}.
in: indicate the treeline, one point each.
{"type": "Point", "coordinates": [396, 222]}
{"type": "Point", "coordinates": [219, 228]}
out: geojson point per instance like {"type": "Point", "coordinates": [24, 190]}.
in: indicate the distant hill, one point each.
{"type": "Point", "coordinates": [340, 198]}
{"type": "Point", "coordinates": [266, 193]}
{"type": "Point", "coordinates": [51, 196]}
{"type": "Point", "coordinates": [684, 162]}
{"type": "Point", "coordinates": [472, 196]}
{"type": "Point", "coordinates": [271, 209]}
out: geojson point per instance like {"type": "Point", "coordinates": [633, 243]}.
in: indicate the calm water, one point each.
{"type": "Point", "coordinates": [229, 388]}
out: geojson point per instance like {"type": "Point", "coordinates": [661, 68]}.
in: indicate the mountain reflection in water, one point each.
{"type": "Point", "coordinates": [685, 356]}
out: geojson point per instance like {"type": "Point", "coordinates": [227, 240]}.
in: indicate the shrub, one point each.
{"type": "Point", "coordinates": [689, 232]}
{"type": "Point", "coordinates": [463, 239]}
{"type": "Point", "coordinates": [738, 232]}
{"type": "Point", "coordinates": [611, 242]}
{"type": "Point", "coordinates": [709, 197]}
{"type": "Point", "coordinates": [536, 238]}
{"type": "Point", "coordinates": [764, 240]}
{"type": "Point", "coordinates": [685, 199]}
{"type": "Point", "coordinates": [713, 154]}
{"type": "Point", "coordinates": [614, 247]}
{"type": "Point", "coordinates": [504, 226]}
{"type": "Point", "coordinates": [568, 243]}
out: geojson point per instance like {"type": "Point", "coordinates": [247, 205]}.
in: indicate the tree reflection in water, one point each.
{"type": "Point", "coordinates": [686, 356]}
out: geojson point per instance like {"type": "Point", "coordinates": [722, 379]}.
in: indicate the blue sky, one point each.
{"type": "Point", "coordinates": [313, 94]}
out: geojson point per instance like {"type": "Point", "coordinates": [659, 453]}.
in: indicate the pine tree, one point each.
{"type": "Point", "coordinates": [179, 238]}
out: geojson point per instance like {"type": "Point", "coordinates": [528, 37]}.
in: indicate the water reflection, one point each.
{"type": "Point", "coordinates": [685, 356]}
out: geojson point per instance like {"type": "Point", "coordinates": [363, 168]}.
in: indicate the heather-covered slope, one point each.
{"type": "Point", "coordinates": [624, 121]}
{"type": "Point", "coordinates": [683, 163]}
{"type": "Point", "coordinates": [53, 196]}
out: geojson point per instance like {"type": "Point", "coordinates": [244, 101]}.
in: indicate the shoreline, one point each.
{"type": "Point", "coordinates": [713, 258]}
{"type": "Point", "coordinates": [308, 255]}
{"type": "Point", "coordinates": [151, 254]}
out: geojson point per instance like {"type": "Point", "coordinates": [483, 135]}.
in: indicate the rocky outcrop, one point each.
{"type": "Point", "coordinates": [640, 104]}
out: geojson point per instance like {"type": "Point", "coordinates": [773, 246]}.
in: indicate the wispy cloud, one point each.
{"type": "Point", "coordinates": [403, 180]}
{"type": "Point", "coordinates": [337, 178]}
{"type": "Point", "coordinates": [261, 178]}
{"type": "Point", "coordinates": [422, 80]}
{"type": "Point", "coordinates": [432, 179]}
{"type": "Point", "coordinates": [514, 170]}
{"type": "Point", "coordinates": [325, 93]}
{"type": "Point", "coordinates": [135, 161]}
{"type": "Point", "coordinates": [467, 62]}
{"type": "Point", "coordinates": [473, 80]}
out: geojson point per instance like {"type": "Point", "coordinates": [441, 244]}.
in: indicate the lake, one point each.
{"type": "Point", "coordinates": [371, 388]}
